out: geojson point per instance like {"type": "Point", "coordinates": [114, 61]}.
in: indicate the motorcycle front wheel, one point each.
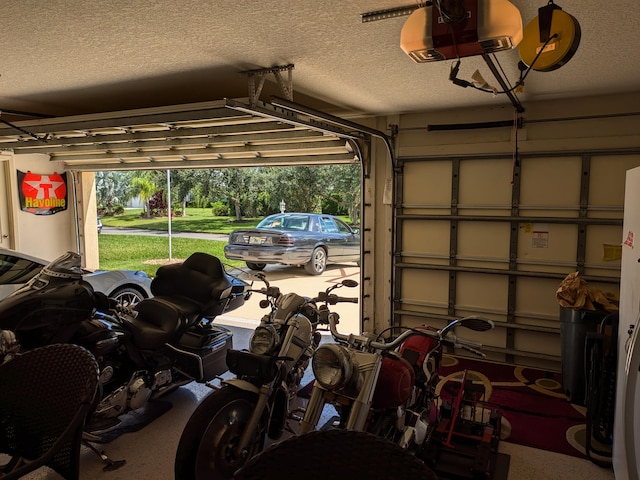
{"type": "Point", "coordinates": [207, 447]}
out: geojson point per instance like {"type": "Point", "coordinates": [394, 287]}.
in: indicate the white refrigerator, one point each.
{"type": "Point", "coordinates": [626, 432]}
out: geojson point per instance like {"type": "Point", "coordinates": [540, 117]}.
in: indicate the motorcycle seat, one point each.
{"type": "Point", "coordinates": [160, 319]}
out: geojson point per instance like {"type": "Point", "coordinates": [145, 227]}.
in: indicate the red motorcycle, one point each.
{"type": "Point", "coordinates": [388, 388]}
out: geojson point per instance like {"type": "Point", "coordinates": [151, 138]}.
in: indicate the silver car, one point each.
{"type": "Point", "coordinates": [125, 286]}
{"type": "Point", "coordinates": [308, 239]}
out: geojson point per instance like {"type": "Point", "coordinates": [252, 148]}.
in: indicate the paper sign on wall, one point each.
{"type": "Point", "coordinates": [42, 194]}
{"type": "Point", "coordinates": [540, 239]}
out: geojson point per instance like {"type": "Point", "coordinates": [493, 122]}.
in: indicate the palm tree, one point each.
{"type": "Point", "coordinates": [144, 188]}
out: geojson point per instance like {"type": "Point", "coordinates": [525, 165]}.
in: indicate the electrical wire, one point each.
{"type": "Point", "coordinates": [518, 84]}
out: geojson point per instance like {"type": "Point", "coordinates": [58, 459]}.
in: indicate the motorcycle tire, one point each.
{"type": "Point", "coordinates": [205, 450]}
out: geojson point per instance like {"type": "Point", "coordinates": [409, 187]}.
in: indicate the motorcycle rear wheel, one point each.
{"type": "Point", "coordinates": [206, 447]}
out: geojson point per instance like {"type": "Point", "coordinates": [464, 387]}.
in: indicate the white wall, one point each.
{"type": "Point", "coordinates": [43, 236]}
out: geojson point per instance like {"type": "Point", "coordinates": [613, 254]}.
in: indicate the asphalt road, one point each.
{"type": "Point", "coordinates": [157, 233]}
{"type": "Point", "coordinates": [287, 278]}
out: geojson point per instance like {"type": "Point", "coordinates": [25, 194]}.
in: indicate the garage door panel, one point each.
{"type": "Point", "coordinates": [425, 291]}
{"type": "Point", "coordinates": [427, 185]}
{"type": "Point", "coordinates": [536, 302]}
{"type": "Point", "coordinates": [485, 187]}
{"type": "Point", "coordinates": [540, 342]}
{"type": "Point", "coordinates": [606, 170]}
{"type": "Point", "coordinates": [514, 231]}
{"type": "Point", "coordinates": [481, 292]}
{"type": "Point", "coordinates": [603, 250]}
{"type": "Point", "coordinates": [547, 247]}
{"type": "Point", "coordinates": [412, 321]}
{"type": "Point", "coordinates": [483, 244]}
{"type": "Point", "coordinates": [426, 241]}
{"type": "Point", "coordinates": [553, 183]}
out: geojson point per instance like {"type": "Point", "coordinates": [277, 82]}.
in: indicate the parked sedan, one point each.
{"type": "Point", "coordinates": [307, 239]}
{"type": "Point", "coordinates": [126, 286]}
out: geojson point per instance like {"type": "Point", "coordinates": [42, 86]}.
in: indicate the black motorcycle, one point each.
{"type": "Point", "coordinates": [144, 351]}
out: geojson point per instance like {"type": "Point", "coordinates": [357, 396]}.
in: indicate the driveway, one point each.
{"type": "Point", "coordinates": [295, 279]}
{"type": "Point", "coordinates": [288, 279]}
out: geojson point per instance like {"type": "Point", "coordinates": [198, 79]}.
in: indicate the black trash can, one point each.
{"type": "Point", "coordinates": [574, 326]}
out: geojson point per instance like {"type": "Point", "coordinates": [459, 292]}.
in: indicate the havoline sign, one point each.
{"type": "Point", "coordinates": [42, 194]}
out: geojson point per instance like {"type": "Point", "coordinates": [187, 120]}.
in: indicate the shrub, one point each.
{"type": "Point", "coordinates": [219, 209]}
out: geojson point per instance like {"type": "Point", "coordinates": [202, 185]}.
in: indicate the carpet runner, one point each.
{"type": "Point", "coordinates": [535, 409]}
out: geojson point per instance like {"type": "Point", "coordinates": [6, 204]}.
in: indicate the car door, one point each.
{"type": "Point", "coordinates": [350, 242]}
{"type": "Point", "coordinates": [333, 239]}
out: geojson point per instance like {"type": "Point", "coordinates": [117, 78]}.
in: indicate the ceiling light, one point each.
{"type": "Point", "coordinates": [435, 32]}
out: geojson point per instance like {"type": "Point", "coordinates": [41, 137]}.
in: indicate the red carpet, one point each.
{"type": "Point", "coordinates": [535, 410]}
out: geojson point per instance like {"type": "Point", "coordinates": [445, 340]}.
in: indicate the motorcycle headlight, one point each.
{"type": "Point", "coordinates": [263, 340]}
{"type": "Point", "coordinates": [332, 367]}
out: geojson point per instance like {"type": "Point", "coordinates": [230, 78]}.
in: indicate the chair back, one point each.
{"type": "Point", "coordinates": [335, 455]}
{"type": "Point", "coordinates": [45, 395]}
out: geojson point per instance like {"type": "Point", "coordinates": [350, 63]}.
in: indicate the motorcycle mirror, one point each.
{"type": "Point", "coordinates": [262, 277]}
{"type": "Point", "coordinates": [349, 283]}
{"type": "Point", "coordinates": [477, 324]}
{"type": "Point", "coordinates": [264, 303]}
{"type": "Point", "coordinates": [473, 323]}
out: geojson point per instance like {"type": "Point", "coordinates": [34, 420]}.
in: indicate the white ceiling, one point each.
{"type": "Point", "coordinates": [68, 57]}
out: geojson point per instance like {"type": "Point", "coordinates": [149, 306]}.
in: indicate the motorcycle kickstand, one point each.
{"type": "Point", "coordinates": [110, 465]}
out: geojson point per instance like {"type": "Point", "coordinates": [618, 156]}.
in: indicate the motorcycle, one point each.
{"type": "Point", "coordinates": [230, 425]}
{"type": "Point", "coordinates": [387, 388]}
{"type": "Point", "coordinates": [144, 351]}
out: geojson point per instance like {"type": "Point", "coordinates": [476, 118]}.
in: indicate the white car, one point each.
{"type": "Point", "coordinates": [126, 286]}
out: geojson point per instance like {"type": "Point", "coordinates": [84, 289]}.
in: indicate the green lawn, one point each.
{"type": "Point", "coordinates": [135, 252]}
{"type": "Point", "coordinates": [196, 220]}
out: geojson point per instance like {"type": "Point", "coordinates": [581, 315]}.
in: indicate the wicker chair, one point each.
{"type": "Point", "coordinates": [335, 455]}
{"type": "Point", "coordinates": [45, 395]}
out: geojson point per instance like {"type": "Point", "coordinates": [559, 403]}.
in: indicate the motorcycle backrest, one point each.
{"type": "Point", "coordinates": [200, 277]}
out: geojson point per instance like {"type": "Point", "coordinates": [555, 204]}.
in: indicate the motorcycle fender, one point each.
{"type": "Point", "coordinates": [242, 385]}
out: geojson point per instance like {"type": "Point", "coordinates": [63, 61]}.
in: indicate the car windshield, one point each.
{"type": "Point", "coordinates": [286, 222]}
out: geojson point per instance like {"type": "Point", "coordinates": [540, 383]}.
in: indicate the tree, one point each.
{"type": "Point", "coordinates": [346, 188]}
{"type": "Point", "coordinates": [112, 190]}
{"type": "Point", "coordinates": [144, 187]}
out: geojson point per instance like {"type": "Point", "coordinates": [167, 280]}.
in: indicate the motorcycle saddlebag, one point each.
{"type": "Point", "coordinates": [202, 351]}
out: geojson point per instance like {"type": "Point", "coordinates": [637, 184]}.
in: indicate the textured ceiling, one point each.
{"type": "Point", "coordinates": [68, 57]}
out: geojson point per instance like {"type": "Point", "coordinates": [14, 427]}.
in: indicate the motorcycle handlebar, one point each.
{"type": "Point", "coordinates": [333, 299]}
{"type": "Point", "coordinates": [449, 339]}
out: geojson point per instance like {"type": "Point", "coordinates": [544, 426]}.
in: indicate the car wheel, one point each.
{"type": "Point", "coordinates": [127, 296]}
{"type": "Point", "coordinates": [256, 266]}
{"type": "Point", "coordinates": [318, 262]}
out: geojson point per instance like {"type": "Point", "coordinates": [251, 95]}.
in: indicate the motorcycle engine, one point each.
{"type": "Point", "coordinates": [139, 393]}
{"type": "Point", "coordinates": [130, 396]}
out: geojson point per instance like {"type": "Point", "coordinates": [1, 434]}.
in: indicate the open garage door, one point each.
{"type": "Point", "coordinates": [219, 134]}
{"type": "Point", "coordinates": [225, 133]}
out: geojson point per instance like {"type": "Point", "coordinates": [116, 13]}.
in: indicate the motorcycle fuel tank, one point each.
{"type": "Point", "coordinates": [423, 353]}
{"type": "Point", "coordinates": [45, 315]}
{"type": "Point", "coordinates": [395, 382]}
